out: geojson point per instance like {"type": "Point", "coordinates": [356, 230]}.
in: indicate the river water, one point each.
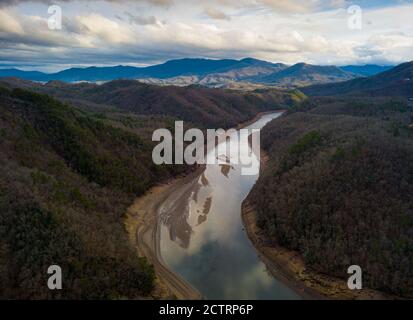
{"type": "Point", "coordinates": [204, 241]}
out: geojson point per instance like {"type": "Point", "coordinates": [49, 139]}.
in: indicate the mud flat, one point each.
{"type": "Point", "coordinates": [142, 226]}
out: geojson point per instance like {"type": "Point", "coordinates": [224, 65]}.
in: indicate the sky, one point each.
{"type": "Point", "coordinates": [147, 32]}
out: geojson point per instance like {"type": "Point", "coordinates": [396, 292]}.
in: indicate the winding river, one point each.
{"type": "Point", "coordinates": [203, 240]}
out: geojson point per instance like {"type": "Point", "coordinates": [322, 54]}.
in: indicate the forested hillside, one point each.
{"type": "Point", "coordinates": [338, 188]}
{"type": "Point", "coordinates": [209, 108]}
{"type": "Point", "coordinates": [68, 173]}
{"type": "Point", "coordinates": [397, 81]}
{"type": "Point", "coordinates": [66, 179]}
{"type": "Point", "coordinates": [302, 74]}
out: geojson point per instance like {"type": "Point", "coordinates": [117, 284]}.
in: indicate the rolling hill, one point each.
{"type": "Point", "coordinates": [169, 69]}
{"type": "Point", "coordinates": [366, 70]}
{"type": "Point", "coordinates": [207, 107]}
{"type": "Point", "coordinates": [66, 179]}
{"type": "Point", "coordinates": [338, 189]}
{"type": "Point", "coordinates": [302, 74]}
{"type": "Point", "coordinates": [69, 170]}
{"type": "Point", "coordinates": [397, 81]}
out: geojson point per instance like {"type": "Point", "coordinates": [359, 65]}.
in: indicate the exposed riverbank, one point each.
{"type": "Point", "coordinates": [143, 227]}
{"type": "Point", "coordinates": [257, 117]}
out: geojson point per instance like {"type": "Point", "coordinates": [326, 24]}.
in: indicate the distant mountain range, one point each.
{"type": "Point", "coordinates": [397, 81]}
{"type": "Point", "coordinates": [302, 74]}
{"type": "Point", "coordinates": [366, 70]}
{"type": "Point", "coordinates": [212, 73]}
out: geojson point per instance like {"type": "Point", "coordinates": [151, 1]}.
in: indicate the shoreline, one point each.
{"type": "Point", "coordinates": [289, 267]}
{"type": "Point", "coordinates": [258, 116]}
{"type": "Point", "coordinates": [142, 226]}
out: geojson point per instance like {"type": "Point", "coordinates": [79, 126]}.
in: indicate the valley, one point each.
{"type": "Point", "coordinates": [69, 170]}
{"type": "Point", "coordinates": [337, 162]}
{"type": "Point", "coordinates": [188, 159]}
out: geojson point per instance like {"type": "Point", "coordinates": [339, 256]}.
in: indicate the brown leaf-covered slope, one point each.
{"type": "Point", "coordinates": [339, 188]}
{"type": "Point", "coordinates": [69, 171]}
{"type": "Point", "coordinates": [208, 107]}
{"type": "Point", "coordinates": [66, 178]}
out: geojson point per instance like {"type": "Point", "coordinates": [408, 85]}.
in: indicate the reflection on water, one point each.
{"type": "Point", "coordinates": [225, 168]}
{"type": "Point", "coordinates": [203, 239]}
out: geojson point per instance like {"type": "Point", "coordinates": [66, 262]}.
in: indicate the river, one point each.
{"type": "Point", "coordinates": [203, 240]}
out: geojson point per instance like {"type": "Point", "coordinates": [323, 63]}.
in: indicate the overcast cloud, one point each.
{"type": "Point", "coordinates": [151, 31]}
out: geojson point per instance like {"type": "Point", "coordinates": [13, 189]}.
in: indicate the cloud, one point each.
{"type": "Point", "coordinates": [104, 30]}
{"type": "Point", "coordinates": [291, 6]}
{"type": "Point", "coordinates": [141, 20]}
{"type": "Point", "coordinates": [161, 3]}
{"type": "Point", "coordinates": [392, 47]}
{"type": "Point", "coordinates": [216, 14]}
{"type": "Point", "coordinates": [288, 6]}
{"type": "Point", "coordinates": [122, 35]}
{"type": "Point", "coordinates": [9, 24]}
{"type": "Point", "coordinates": [281, 6]}
{"type": "Point", "coordinates": [83, 31]}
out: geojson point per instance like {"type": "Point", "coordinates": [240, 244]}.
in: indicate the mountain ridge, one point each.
{"type": "Point", "coordinates": [396, 81]}
{"type": "Point", "coordinates": [206, 72]}
{"type": "Point", "coordinates": [207, 106]}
